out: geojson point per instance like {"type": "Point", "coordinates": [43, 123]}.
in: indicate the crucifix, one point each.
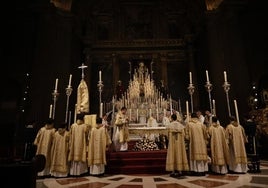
{"type": "Point", "coordinates": [82, 67]}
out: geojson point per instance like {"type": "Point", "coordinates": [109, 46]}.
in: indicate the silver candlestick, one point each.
{"type": "Point", "coordinates": [68, 93]}
{"type": "Point", "coordinates": [209, 89]}
{"type": "Point", "coordinates": [55, 95]}
{"type": "Point", "coordinates": [226, 87]}
{"type": "Point", "coordinates": [191, 92]}
{"type": "Point", "coordinates": [100, 86]}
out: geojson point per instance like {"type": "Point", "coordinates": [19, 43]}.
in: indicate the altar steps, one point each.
{"type": "Point", "coordinates": [136, 162]}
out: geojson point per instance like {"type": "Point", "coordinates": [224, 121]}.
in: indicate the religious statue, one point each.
{"type": "Point", "coordinates": [141, 71]}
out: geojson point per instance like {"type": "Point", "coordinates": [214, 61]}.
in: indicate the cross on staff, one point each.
{"type": "Point", "coordinates": [82, 67]}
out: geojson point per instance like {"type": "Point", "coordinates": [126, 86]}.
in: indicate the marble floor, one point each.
{"type": "Point", "coordinates": [249, 180]}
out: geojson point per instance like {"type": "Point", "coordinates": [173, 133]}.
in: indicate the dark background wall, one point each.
{"type": "Point", "coordinates": [40, 43]}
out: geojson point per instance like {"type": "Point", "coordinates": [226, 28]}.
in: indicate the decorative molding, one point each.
{"type": "Point", "coordinates": [158, 43]}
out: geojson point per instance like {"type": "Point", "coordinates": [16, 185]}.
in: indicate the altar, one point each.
{"type": "Point", "coordinates": [139, 131]}
{"type": "Point", "coordinates": [146, 105]}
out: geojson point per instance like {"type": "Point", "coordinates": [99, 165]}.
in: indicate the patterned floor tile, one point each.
{"type": "Point", "coordinates": [224, 177]}
{"type": "Point", "coordinates": [41, 185]}
{"type": "Point", "coordinates": [90, 185]}
{"type": "Point", "coordinates": [259, 180]}
{"type": "Point", "coordinates": [130, 186]}
{"type": "Point", "coordinates": [207, 183]}
{"type": "Point", "coordinates": [159, 179]}
{"type": "Point", "coordinates": [136, 180]}
{"type": "Point", "coordinates": [170, 185]}
{"type": "Point", "coordinates": [70, 180]}
{"type": "Point", "coordinates": [117, 178]}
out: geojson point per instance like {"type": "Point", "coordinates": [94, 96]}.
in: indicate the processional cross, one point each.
{"type": "Point", "coordinates": [82, 67]}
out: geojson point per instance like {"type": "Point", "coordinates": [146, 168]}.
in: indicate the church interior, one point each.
{"type": "Point", "coordinates": [210, 54]}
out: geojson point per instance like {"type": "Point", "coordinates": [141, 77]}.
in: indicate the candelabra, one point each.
{"type": "Point", "coordinates": [55, 96]}
{"type": "Point", "coordinates": [68, 93]}
{"type": "Point", "coordinates": [209, 89]}
{"type": "Point", "coordinates": [100, 86]}
{"type": "Point", "coordinates": [191, 92]}
{"type": "Point", "coordinates": [226, 87]}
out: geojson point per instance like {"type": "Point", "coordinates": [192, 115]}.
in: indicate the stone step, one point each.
{"type": "Point", "coordinates": [136, 162]}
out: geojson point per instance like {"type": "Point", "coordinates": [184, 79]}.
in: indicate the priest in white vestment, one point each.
{"type": "Point", "coordinates": [78, 147]}
{"type": "Point", "coordinates": [98, 144]}
{"type": "Point", "coordinates": [151, 122]}
{"type": "Point", "coordinates": [166, 118]}
{"type": "Point", "coordinates": [176, 160]}
{"type": "Point", "coordinates": [219, 147]}
{"type": "Point", "coordinates": [237, 139]}
{"type": "Point", "coordinates": [121, 136]}
{"type": "Point", "coordinates": [197, 135]}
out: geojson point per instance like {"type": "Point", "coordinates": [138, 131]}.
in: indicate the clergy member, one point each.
{"type": "Point", "coordinates": [166, 118]}
{"type": "Point", "coordinates": [176, 160]}
{"type": "Point", "coordinates": [78, 147]}
{"type": "Point", "coordinates": [122, 134]}
{"type": "Point", "coordinates": [219, 147]}
{"type": "Point", "coordinates": [197, 135]}
{"type": "Point", "coordinates": [237, 139]}
{"type": "Point", "coordinates": [60, 148]}
{"type": "Point", "coordinates": [43, 142]}
{"type": "Point", "coordinates": [98, 143]}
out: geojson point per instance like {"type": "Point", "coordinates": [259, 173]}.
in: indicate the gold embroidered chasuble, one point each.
{"type": "Point", "coordinates": [197, 135]}
{"type": "Point", "coordinates": [60, 150]}
{"type": "Point", "coordinates": [176, 152]}
{"type": "Point", "coordinates": [218, 145]}
{"type": "Point", "coordinates": [237, 138]}
{"type": "Point", "coordinates": [122, 124]}
{"type": "Point", "coordinates": [78, 142]}
{"type": "Point", "coordinates": [43, 142]}
{"type": "Point", "coordinates": [99, 140]}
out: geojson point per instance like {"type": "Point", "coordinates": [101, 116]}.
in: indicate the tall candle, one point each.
{"type": "Point", "coordinates": [70, 81]}
{"type": "Point", "coordinates": [214, 107]}
{"type": "Point", "coordinates": [187, 111]}
{"type": "Point", "coordinates": [56, 84]}
{"type": "Point", "coordinates": [101, 109]}
{"type": "Point", "coordinates": [99, 75]}
{"type": "Point", "coordinates": [190, 75]}
{"type": "Point", "coordinates": [225, 76]}
{"type": "Point", "coordinates": [69, 120]}
{"type": "Point", "coordinates": [236, 112]}
{"type": "Point", "coordinates": [75, 113]}
{"type": "Point", "coordinates": [207, 76]}
{"type": "Point", "coordinates": [50, 111]}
